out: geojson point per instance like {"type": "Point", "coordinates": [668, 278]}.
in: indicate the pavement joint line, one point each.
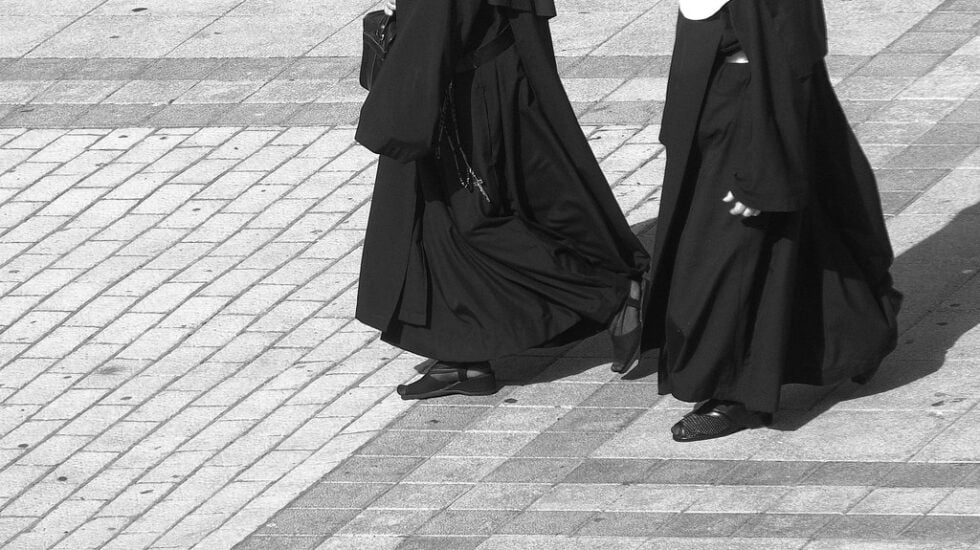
{"type": "Point", "coordinates": [69, 24]}
{"type": "Point", "coordinates": [257, 316]}
{"type": "Point", "coordinates": [238, 523]}
{"type": "Point", "coordinates": [204, 28]}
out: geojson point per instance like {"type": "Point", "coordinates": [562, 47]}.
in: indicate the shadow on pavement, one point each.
{"type": "Point", "coordinates": [928, 273]}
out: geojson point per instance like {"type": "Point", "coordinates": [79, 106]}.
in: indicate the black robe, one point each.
{"type": "Point", "coordinates": [801, 294]}
{"type": "Point", "coordinates": [446, 273]}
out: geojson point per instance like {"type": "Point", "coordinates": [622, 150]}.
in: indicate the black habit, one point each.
{"type": "Point", "coordinates": [801, 293]}
{"type": "Point", "coordinates": [546, 254]}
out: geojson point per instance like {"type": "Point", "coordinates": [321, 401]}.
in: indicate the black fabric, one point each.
{"type": "Point", "coordinates": [729, 43]}
{"type": "Point", "coordinates": [448, 275]}
{"type": "Point", "coordinates": [740, 307]}
{"type": "Point", "coordinates": [541, 8]}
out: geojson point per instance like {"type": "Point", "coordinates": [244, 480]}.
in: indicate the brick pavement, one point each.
{"type": "Point", "coordinates": [181, 209]}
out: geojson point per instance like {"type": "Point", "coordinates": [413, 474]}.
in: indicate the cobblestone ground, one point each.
{"type": "Point", "coordinates": [181, 212]}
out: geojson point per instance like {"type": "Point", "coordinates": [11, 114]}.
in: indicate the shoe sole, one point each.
{"type": "Point", "coordinates": [449, 391]}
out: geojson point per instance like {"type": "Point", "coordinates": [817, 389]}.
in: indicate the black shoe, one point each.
{"type": "Point", "coordinates": [713, 418]}
{"type": "Point", "coordinates": [627, 345]}
{"type": "Point", "coordinates": [451, 379]}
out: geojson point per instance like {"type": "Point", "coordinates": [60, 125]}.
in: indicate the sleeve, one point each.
{"type": "Point", "coordinates": [774, 173]}
{"type": "Point", "coordinates": [400, 117]}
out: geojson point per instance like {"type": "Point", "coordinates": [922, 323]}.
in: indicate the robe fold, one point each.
{"type": "Point", "coordinates": [801, 293]}
{"type": "Point", "coordinates": [445, 272]}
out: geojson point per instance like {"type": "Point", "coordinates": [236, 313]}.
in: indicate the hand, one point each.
{"type": "Point", "coordinates": [740, 209]}
{"type": "Point", "coordinates": [390, 7]}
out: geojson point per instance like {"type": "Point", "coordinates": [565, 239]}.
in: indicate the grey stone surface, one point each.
{"type": "Point", "coordinates": [214, 349]}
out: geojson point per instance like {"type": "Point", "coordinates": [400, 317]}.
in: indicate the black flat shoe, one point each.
{"type": "Point", "coordinates": [627, 345]}
{"type": "Point", "coordinates": [451, 379]}
{"type": "Point", "coordinates": [712, 419]}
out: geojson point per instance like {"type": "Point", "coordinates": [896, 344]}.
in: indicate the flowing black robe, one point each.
{"type": "Point", "coordinates": [802, 293]}
{"type": "Point", "coordinates": [445, 273]}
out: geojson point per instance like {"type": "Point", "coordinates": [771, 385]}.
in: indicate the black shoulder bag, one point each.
{"type": "Point", "coordinates": [379, 34]}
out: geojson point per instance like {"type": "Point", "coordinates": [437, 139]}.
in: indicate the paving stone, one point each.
{"type": "Point", "coordinates": [236, 69]}
{"type": "Point", "coordinates": [611, 470]}
{"type": "Point", "coordinates": [564, 444]}
{"type": "Point", "coordinates": [454, 469]}
{"type": "Point", "coordinates": [191, 68]}
{"type": "Point", "coordinates": [595, 420]}
{"type": "Point", "coordinates": [944, 528]}
{"type": "Point", "coordinates": [967, 112]}
{"type": "Point", "coordinates": [930, 42]}
{"type": "Point", "coordinates": [622, 395]}
{"type": "Point", "coordinates": [466, 522]}
{"type": "Point", "coordinates": [963, 501]}
{"type": "Point", "coordinates": [500, 496]}
{"type": "Point", "coordinates": [858, 527]}
{"type": "Point", "coordinates": [119, 68]}
{"type": "Point", "coordinates": [388, 522]}
{"type": "Point", "coordinates": [624, 524]}
{"type": "Point", "coordinates": [278, 543]}
{"type": "Point", "coordinates": [607, 67]}
{"type": "Point", "coordinates": [357, 542]}
{"type": "Point", "coordinates": [182, 115]}
{"type": "Point", "coordinates": [320, 114]}
{"type": "Point", "coordinates": [783, 525]}
{"type": "Point", "coordinates": [496, 444]}
{"type": "Point", "coordinates": [340, 495]}
{"type": "Point", "coordinates": [440, 543]}
{"type": "Point", "coordinates": [860, 110]}
{"type": "Point", "coordinates": [117, 116]}
{"type": "Point", "coordinates": [77, 91]}
{"type": "Point", "coordinates": [904, 64]}
{"type": "Point", "coordinates": [948, 21]}
{"type": "Point", "coordinates": [418, 496]}
{"type": "Point", "coordinates": [908, 179]}
{"type": "Point", "coordinates": [256, 114]}
{"type": "Point", "coordinates": [407, 443]}
{"type": "Point", "coordinates": [927, 475]}
{"type": "Point", "coordinates": [374, 469]}
{"type": "Point", "coordinates": [321, 68]}
{"type": "Point", "coordinates": [769, 473]}
{"type": "Point", "coordinates": [623, 112]}
{"type": "Point", "coordinates": [958, 133]}
{"type": "Point", "coordinates": [704, 525]}
{"type": "Point", "coordinates": [972, 480]}
{"type": "Point", "coordinates": [27, 68]}
{"type": "Point", "coordinates": [44, 116]}
{"type": "Point", "coordinates": [545, 523]}
{"type": "Point", "coordinates": [437, 418]}
{"type": "Point", "coordinates": [691, 471]}
{"type": "Point", "coordinates": [914, 110]}
{"type": "Point", "coordinates": [819, 499]}
{"type": "Point", "coordinates": [727, 543]}
{"type": "Point", "coordinates": [668, 498]}
{"type": "Point", "coordinates": [307, 522]}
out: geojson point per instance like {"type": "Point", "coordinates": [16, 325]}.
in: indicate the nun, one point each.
{"type": "Point", "coordinates": [771, 259]}
{"type": "Point", "coordinates": [492, 229]}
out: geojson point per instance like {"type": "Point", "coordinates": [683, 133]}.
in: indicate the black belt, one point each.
{"type": "Point", "coordinates": [473, 60]}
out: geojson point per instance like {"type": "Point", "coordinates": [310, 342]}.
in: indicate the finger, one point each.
{"type": "Point", "coordinates": [738, 209]}
{"type": "Point", "coordinates": [729, 197]}
{"type": "Point", "coordinates": [750, 213]}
